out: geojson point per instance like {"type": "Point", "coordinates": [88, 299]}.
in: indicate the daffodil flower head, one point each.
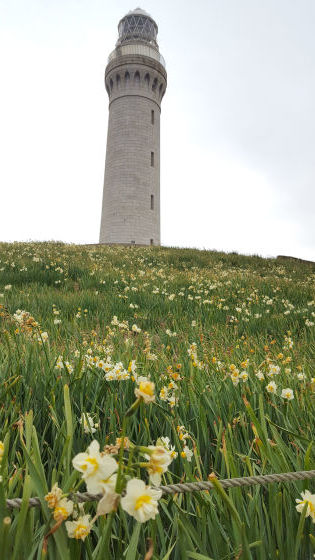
{"type": "Point", "coordinates": [54, 496]}
{"type": "Point", "coordinates": [97, 468]}
{"type": "Point", "coordinates": [287, 394]}
{"type": "Point", "coordinates": [80, 528]}
{"type": "Point", "coordinates": [165, 442]}
{"type": "Point", "coordinates": [309, 499]}
{"type": "Point", "coordinates": [88, 423]}
{"type": "Point", "coordinates": [63, 509]}
{"type": "Point", "coordinates": [271, 387]}
{"type": "Point", "coordinates": [145, 390]}
{"type": "Point", "coordinates": [187, 453]}
{"type": "Point", "coordinates": [159, 460]}
{"type": "Point", "coordinates": [140, 500]}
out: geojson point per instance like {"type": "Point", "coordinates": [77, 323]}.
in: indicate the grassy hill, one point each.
{"type": "Point", "coordinates": [228, 342]}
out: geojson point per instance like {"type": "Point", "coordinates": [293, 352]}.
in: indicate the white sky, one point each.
{"type": "Point", "coordinates": [237, 126]}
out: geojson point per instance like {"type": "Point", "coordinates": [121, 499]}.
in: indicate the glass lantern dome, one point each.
{"type": "Point", "coordinates": [137, 25]}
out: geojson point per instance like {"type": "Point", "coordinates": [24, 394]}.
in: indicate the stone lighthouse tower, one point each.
{"type": "Point", "coordinates": [135, 80]}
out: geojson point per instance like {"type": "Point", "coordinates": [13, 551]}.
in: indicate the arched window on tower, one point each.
{"type": "Point", "coordinates": [127, 78]}
{"type": "Point", "coordinates": [147, 80]}
{"type": "Point", "coordinates": [137, 78]}
{"type": "Point", "coordinates": [154, 85]}
{"type": "Point", "coordinates": [117, 80]}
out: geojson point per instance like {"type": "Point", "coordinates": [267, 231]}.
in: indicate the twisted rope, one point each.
{"type": "Point", "coordinates": [187, 487]}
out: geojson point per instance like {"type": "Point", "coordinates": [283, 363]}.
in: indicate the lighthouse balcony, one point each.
{"type": "Point", "coordinates": [138, 48]}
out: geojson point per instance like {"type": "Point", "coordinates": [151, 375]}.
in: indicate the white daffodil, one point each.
{"type": "Point", "coordinates": [54, 496]}
{"type": "Point", "coordinates": [165, 441]}
{"type": "Point", "coordinates": [273, 370]}
{"type": "Point", "coordinates": [80, 528]}
{"type": "Point", "coordinates": [43, 337]}
{"type": "Point", "coordinates": [271, 387]}
{"type": "Point", "coordinates": [172, 401]}
{"type": "Point", "coordinates": [309, 499]}
{"type": "Point", "coordinates": [61, 506]}
{"type": "Point", "coordinates": [287, 394]}
{"type": "Point", "coordinates": [132, 368]}
{"type": "Point", "coordinates": [187, 454]}
{"type": "Point", "coordinates": [159, 460]}
{"type": "Point", "coordinates": [164, 393]}
{"type": "Point", "coordinates": [235, 377]}
{"type": "Point", "coordinates": [96, 468]}
{"type": "Point", "coordinates": [243, 376]}
{"type": "Point", "coordinates": [140, 500]}
{"type": "Point", "coordinates": [88, 423]}
{"type": "Point", "coordinates": [63, 509]}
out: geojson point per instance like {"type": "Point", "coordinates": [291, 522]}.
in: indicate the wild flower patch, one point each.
{"type": "Point", "coordinates": [121, 370]}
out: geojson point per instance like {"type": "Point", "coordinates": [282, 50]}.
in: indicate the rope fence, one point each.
{"type": "Point", "coordinates": [187, 487]}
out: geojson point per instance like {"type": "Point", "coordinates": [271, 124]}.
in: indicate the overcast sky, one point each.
{"type": "Point", "coordinates": [237, 124]}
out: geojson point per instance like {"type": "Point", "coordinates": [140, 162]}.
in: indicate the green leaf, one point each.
{"type": "Point", "coordinates": [102, 549]}
{"type": "Point", "coordinates": [167, 555]}
{"type": "Point", "coordinates": [299, 533]}
{"type": "Point", "coordinates": [296, 435]}
{"type": "Point", "coordinates": [307, 458]}
{"type": "Point", "coordinates": [197, 556]}
{"type": "Point", "coordinates": [132, 548]}
{"type": "Point", "coordinates": [38, 461]}
{"type": "Point", "coordinates": [69, 424]}
{"type": "Point", "coordinates": [312, 541]}
{"type": "Point", "coordinates": [39, 481]}
{"type": "Point", "coordinates": [27, 488]}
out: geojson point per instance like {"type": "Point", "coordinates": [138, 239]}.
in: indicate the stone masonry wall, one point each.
{"type": "Point", "coordinates": [135, 85]}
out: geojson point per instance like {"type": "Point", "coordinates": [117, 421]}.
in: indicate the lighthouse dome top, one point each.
{"type": "Point", "coordinates": [137, 26]}
{"type": "Point", "coordinates": [140, 12]}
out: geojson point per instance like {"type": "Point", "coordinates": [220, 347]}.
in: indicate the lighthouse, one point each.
{"type": "Point", "coordinates": [135, 81]}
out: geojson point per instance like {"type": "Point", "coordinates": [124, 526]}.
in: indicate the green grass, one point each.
{"type": "Point", "coordinates": [244, 308]}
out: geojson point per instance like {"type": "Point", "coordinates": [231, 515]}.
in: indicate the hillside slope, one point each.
{"type": "Point", "coordinates": [228, 342]}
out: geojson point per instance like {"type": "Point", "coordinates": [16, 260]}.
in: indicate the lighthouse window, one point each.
{"type": "Point", "coordinates": [152, 159]}
{"type": "Point", "coordinates": [152, 202]}
{"type": "Point", "coordinates": [152, 117]}
{"type": "Point", "coordinates": [151, 241]}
